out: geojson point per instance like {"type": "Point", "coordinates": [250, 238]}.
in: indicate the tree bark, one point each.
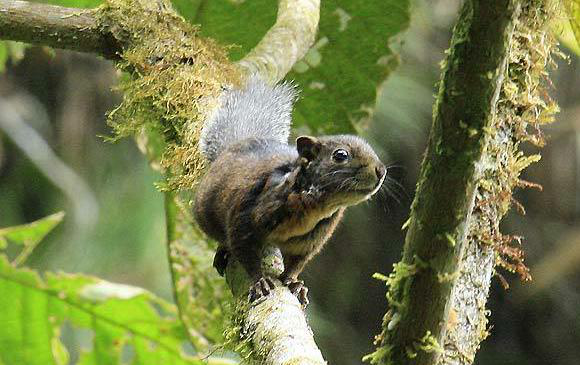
{"type": "Point", "coordinates": [276, 325]}
{"type": "Point", "coordinates": [530, 53]}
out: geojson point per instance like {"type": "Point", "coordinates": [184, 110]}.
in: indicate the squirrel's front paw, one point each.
{"type": "Point", "coordinates": [261, 288]}
{"type": "Point", "coordinates": [298, 288]}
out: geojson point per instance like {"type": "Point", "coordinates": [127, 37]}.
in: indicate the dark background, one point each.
{"type": "Point", "coordinates": [115, 227]}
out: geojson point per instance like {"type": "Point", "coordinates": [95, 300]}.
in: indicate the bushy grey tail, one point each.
{"type": "Point", "coordinates": [258, 110]}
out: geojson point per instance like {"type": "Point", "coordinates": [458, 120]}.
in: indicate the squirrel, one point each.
{"type": "Point", "coordinates": [259, 190]}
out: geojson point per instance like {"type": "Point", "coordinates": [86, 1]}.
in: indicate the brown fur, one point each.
{"type": "Point", "coordinates": [261, 191]}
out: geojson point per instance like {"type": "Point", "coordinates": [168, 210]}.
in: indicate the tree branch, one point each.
{"type": "Point", "coordinates": [276, 325]}
{"type": "Point", "coordinates": [281, 334]}
{"type": "Point", "coordinates": [286, 42]}
{"type": "Point", "coordinates": [56, 26]}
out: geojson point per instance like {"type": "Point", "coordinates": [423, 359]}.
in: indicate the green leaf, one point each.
{"type": "Point", "coordinates": [29, 235]}
{"type": "Point", "coordinates": [120, 317]}
{"type": "Point", "coordinates": [348, 63]}
{"type": "Point", "coordinates": [339, 77]}
{"type": "Point", "coordinates": [32, 233]}
{"type": "Point", "coordinates": [187, 8]}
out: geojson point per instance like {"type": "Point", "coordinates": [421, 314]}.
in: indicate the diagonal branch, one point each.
{"type": "Point", "coordinates": [56, 26]}
{"type": "Point", "coordinates": [276, 326]}
{"type": "Point", "coordinates": [286, 42]}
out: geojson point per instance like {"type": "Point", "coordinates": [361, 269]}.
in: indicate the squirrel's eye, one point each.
{"type": "Point", "coordinates": [340, 155]}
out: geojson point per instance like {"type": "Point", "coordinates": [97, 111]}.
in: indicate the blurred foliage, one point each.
{"type": "Point", "coordinates": [567, 27]}
{"type": "Point", "coordinates": [127, 323]}
{"type": "Point", "coordinates": [574, 20]}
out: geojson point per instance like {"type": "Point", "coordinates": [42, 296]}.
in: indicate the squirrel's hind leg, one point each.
{"type": "Point", "coordinates": [246, 249]}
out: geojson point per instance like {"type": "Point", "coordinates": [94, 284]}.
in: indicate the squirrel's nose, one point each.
{"type": "Point", "coordinates": [380, 170]}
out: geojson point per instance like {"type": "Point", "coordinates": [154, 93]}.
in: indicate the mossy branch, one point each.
{"type": "Point", "coordinates": [274, 330]}
{"type": "Point", "coordinates": [447, 230]}
{"type": "Point", "coordinates": [522, 107]}
{"type": "Point", "coordinates": [56, 26]}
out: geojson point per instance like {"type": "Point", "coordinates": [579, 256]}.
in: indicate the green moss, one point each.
{"type": "Point", "coordinates": [237, 336]}
{"type": "Point", "coordinates": [401, 270]}
{"type": "Point", "coordinates": [378, 356]}
{"type": "Point", "coordinates": [173, 78]}
{"type": "Point", "coordinates": [428, 343]}
{"type": "Point", "coordinates": [448, 277]}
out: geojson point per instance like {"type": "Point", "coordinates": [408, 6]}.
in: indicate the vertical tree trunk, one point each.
{"type": "Point", "coordinates": [487, 98]}
{"type": "Point", "coordinates": [516, 119]}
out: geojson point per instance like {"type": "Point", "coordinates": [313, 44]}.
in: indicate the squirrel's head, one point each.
{"type": "Point", "coordinates": [345, 167]}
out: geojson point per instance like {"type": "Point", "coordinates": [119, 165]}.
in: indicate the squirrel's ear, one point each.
{"type": "Point", "coordinates": [308, 147]}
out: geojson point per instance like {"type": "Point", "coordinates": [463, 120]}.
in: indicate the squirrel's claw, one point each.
{"type": "Point", "coordinates": [298, 288]}
{"type": "Point", "coordinates": [261, 288]}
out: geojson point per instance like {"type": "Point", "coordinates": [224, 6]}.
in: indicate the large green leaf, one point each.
{"type": "Point", "coordinates": [349, 62]}
{"type": "Point", "coordinates": [339, 77]}
{"type": "Point", "coordinates": [34, 310]}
